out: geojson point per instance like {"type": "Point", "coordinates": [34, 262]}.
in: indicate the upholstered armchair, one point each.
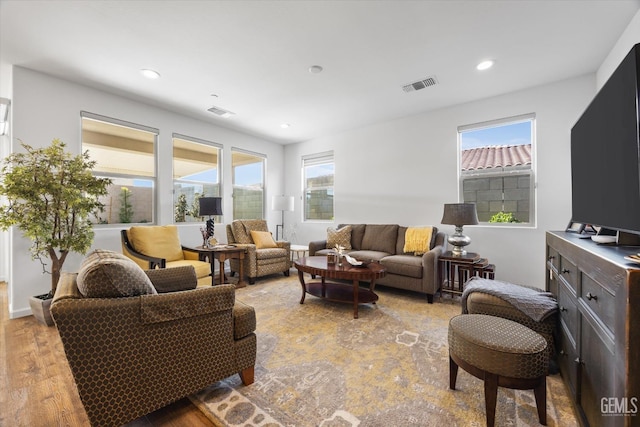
{"type": "Point", "coordinates": [158, 246]}
{"type": "Point", "coordinates": [139, 340]}
{"type": "Point", "coordinates": [264, 255]}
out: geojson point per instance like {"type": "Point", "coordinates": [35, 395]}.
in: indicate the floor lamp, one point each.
{"type": "Point", "coordinates": [281, 203]}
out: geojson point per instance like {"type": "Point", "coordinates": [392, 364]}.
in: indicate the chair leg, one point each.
{"type": "Point", "coordinates": [490, 397]}
{"type": "Point", "coordinates": [252, 280]}
{"type": "Point", "coordinates": [247, 376]}
{"type": "Point", "coordinates": [541, 400]}
{"type": "Point", "coordinates": [286, 273]}
{"type": "Point", "coordinates": [453, 373]}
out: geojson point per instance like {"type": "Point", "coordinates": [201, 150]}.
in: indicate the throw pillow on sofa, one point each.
{"type": "Point", "coordinates": [108, 274]}
{"type": "Point", "coordinates": [341, 236]}
{"type": "Point", "coordinates": [417, 240]}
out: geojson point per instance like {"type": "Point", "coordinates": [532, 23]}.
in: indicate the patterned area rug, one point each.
{"type": "Point", "coordinates": [317, 366]}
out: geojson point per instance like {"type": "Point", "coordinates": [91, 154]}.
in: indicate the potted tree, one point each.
{"type": "Point", "coordinates": [51, 197]}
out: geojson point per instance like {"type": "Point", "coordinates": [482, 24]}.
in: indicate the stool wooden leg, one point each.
{"type": "Point", "coordinates": [453, 373]}
{"type": "Point", "coordinates": [490, 397]}
{"type": "Point", "coordinates": [540, 391]}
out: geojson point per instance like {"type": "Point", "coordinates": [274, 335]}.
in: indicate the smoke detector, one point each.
{"type": "Point", "coordinates": [420, 84]}
{"type": "Point", "coordinates": [220, 112]}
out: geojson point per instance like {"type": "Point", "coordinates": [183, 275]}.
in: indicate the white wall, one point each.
{"type": "Point", "coordinates": [45, 107]}
{"type": "Point", "coordinates": [629, 38]}
{"type": "Point", "coordinates": [403, 171]}
{"type": "Point", "coordinates": [5, 147]}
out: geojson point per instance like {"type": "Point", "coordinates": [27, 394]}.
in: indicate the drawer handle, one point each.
{"type": "Point", "coordinates": [562, 308]}
{"type": "Point", "coordinates": [565, 271]}
{"type": "Point", "coordinates": [590, 296]}
{"type": "Point", "coordinates": [578, 361]}
{"type": "Point", "coordinates": [551, 257]}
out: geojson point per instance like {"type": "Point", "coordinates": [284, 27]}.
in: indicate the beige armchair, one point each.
{"type": "Point", "coordinates": [262, 258]}
{"type": "Point", "coordinates": [137, 350]}
{"type": "Point", "coordinates": [158, 246]}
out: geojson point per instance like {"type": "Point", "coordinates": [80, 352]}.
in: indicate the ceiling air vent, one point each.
{"type": "Point", "coordinates": [220, 112]}
{"type": "Point", "coordinates": [420, 84]}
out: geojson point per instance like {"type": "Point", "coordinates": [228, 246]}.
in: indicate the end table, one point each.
{"type": "Point", "coordinates": [454, 270]}
{"type": "Point", "coordinates": [223, 253]}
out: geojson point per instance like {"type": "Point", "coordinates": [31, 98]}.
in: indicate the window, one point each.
{"type": "Point", "coordinates": [196, 173]}
{"type": "Point", "coordinates": [318, 172]}
{"type": "Point", "coordinates": [497, 169]}
{"type": "Point", "coordinates": [126, 153]}
{"type": "Point", "coordinates": [248, 184]}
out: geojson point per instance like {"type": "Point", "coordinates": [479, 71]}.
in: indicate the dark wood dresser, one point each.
{"type": "Point", "coordinates": [598, 294]}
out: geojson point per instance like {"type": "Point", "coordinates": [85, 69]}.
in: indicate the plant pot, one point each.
{"type": "Point", "coordinates": [40, 307]}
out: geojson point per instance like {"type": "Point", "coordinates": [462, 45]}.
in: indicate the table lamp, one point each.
{"type": "Point", "coordinates": [210, 206]}
{"type": "Point", "coordinates": [459, 214]}
{"type": "Point", "coordinates": [281, 203]}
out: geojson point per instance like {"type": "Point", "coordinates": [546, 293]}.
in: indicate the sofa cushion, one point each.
{"type": "Point", "coordinates": [403, 265]}
{"type": "Point", "coordinates": [159, 241]}
{"type": "Point", "coordinates": [341, 236]}
{"type": "Point", "coordinates": [202, 268]}
{"type": "Point", "coordinates": [357, 232]}
{"type": "Point", "coordinates": [242, 229]}
{"type": "Point", "coordinates": [380, 237]}
{"type": "Point", "coordinates": [108, 274]}
{"type": "Point", "coordinates": [263, 239]}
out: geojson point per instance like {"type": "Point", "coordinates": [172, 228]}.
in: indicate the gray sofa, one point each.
{"type": "Point", "coordinates": [384, 243]}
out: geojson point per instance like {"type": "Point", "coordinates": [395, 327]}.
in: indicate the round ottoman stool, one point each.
{"type": "Point", "coordinates": [502, 353]}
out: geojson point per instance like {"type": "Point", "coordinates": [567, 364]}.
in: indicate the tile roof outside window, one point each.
{"type": "Point", "coordinates": [495, 156]}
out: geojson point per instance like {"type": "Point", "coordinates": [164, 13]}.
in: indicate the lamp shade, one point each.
{"type": "Point", "coordinates": [282, 203]}
{"type": "Point", "coordinates": [460, 214]}
{"type": "Point", "coordinates": [210, 206]}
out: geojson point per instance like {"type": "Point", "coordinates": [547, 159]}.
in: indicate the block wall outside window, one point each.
{"type": "Point", "coordinates": [499, 194]}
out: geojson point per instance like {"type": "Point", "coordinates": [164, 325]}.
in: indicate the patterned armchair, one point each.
{"type": "Point", "coordinates": [263, 256]}
{"type": "Point", "coordinates": [133, 350]}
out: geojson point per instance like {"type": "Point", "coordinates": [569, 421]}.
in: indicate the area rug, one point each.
{"type": "Point", "coordinates": [318, 366]}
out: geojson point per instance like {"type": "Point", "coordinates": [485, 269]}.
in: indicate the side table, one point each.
{"type": "Point", "coordinates": [300, 251]}
{"type": "Point", "coordinates": [454, 270]}
{"type": "Point", "coordinates": [223, 253]}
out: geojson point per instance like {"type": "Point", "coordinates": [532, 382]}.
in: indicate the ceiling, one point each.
{"type": "Point", "coordinates": [252, 57]}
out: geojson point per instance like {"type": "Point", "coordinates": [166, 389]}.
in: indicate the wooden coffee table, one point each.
{"type": "Point", "coordinates": [340, 292]}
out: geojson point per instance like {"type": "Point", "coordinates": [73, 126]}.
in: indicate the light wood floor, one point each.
{"type": "Point", "coordinates": [36, 386]}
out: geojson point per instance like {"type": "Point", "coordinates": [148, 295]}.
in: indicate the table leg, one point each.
{"type": "Point", "coordinates": [304, 287]}
{"type": "Point", "coordinates": [221, 260]}
{"type": "Point", "coordinates": [356, 285]}
{"type": "Point", "coordinates": [241, 282]}
{"type": "Point", "coordinates": [452, 276]}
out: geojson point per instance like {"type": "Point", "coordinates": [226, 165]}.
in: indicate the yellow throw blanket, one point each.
{"type": "Point", "coordinates": [417, 239]}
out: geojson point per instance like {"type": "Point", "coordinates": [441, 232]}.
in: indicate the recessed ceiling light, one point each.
{"type": "Point", "coordinates": [150, 74]}
{"type": "Point", "coordinates": [485, 65]}
{"type": "Point", "coordinates": [315, 69]}
{"type": "Point", "coordinates": [285, 125]}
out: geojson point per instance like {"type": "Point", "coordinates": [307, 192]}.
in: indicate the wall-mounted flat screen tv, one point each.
{"type": "Point", "coordinates": [605, 153]}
